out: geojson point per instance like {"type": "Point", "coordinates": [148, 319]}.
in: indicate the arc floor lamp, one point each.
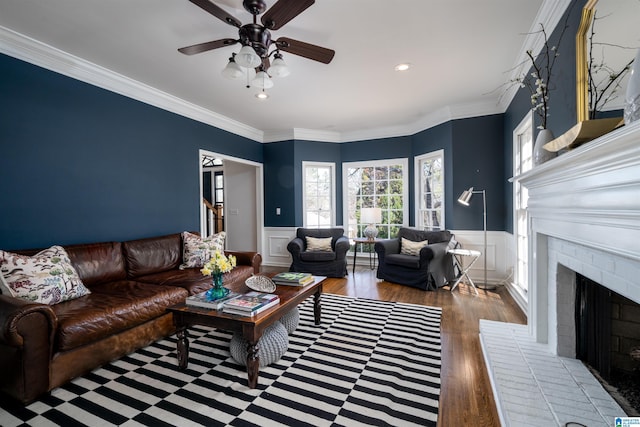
{"type": "Point", "coordinates": [464, 199]}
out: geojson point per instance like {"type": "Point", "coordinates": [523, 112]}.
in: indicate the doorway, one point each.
{"type": "Point", "coordinates": [239, 194]}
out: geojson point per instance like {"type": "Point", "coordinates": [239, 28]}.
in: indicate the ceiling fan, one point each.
{"type": "Point", "coordinates": [256, 41]}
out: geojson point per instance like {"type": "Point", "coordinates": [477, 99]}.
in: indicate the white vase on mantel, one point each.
{"type": "Point", "coordinates": [540, 155]}
{"type": "Point", "coordinates": [632, 97]}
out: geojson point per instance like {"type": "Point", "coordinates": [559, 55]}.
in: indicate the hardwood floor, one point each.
{"type": "Point", "coordinates": [466, 397]}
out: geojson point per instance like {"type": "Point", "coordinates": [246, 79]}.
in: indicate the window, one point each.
{"type": "Point", "coordinates": [378, 184]}
{"type": "Point", "coordinates": [318, 182]}
{"type": "Point", "coordinates": [522, 162]}
{"type": "Point", "coordinates": [430, 191]}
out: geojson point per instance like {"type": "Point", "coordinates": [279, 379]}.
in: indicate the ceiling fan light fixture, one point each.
{"type": "Point", "coordinates": [262, 81]}
{"type": "Point", "coordinates": [402, 67]}
{"type": "Point", "coordinates": [247, 57]}
{"type": "Point", "coordinates": [232, 71]}
{"type": "Point", "coordinates": [278, 67]}
{"type": "Point", "coordinates": [262, 95]}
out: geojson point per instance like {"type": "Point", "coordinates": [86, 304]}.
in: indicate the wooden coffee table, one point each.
{"type": "Point", "coordinates": [251, 328]}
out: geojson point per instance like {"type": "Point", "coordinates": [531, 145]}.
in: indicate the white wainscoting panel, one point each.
{"type": "Point", "coordinates": [276, 239]}
{"type": "Point", "coordinates": [499, 251]}
{"type": "Point", "coordinates": [499, 260]}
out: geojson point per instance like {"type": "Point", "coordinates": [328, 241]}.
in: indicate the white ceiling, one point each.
{"type": "Point", "coordinates": [462, 52]}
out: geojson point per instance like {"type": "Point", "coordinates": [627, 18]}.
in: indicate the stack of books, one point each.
{"type": "Point", "coordinates": [250, 303]}
{"type": "Point", "coordinates": [201, 300]}
{"type": "Point", "coordinates": [293, 279]}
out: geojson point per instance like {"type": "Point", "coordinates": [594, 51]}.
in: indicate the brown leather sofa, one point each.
{"type": "Point", "coordinates": [131, 284]}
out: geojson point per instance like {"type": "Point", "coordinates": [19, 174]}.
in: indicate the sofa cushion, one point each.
{"type": "Point", "coordinates": [198, 250]}
{"type": "Point", "coordinates": [152, 255]}
{"type": "Point", "coordinates": [47, 277]}
{"type": "Point", "coordinates": [98, 262]}
{"type": "Point", "coordinates": [111, 308]}
{"type": "Point", "coordinates": [194, 281]}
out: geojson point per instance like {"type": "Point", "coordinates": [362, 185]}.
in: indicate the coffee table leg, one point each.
{"type": "Point", "coordinates": [183, 347]}
{"type": "Point", "coordinates": [317, 309]}
{"type": "Point", "coordinates": [253, 364]}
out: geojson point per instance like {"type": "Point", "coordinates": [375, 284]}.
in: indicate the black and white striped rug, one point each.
{"type": "Point", "coordinates": [368, 363]}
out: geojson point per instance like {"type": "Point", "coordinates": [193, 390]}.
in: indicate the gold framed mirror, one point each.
{"type": "Point", "coordinates": [617, 31]}
{"type": "Point", "coordinates": [582, 62]}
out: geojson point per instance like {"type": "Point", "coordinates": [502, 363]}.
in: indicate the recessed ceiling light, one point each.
{"type": "Point", "coordinates": [402, 67]}
{"type": "Point", "coordinates": [262, 95]}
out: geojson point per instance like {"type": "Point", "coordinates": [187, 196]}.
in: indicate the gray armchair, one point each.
{"type": "Point", "coordinates": [330, 263]}
{"type": "Point", "coordinates": [431, 269]}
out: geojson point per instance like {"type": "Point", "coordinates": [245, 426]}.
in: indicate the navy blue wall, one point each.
{"type": "Point", "coordinates": [478, 156]}
{"type": "Point", "coordinates": [81, 164]}
{"type": "Point", "coordinates": [279, 184]}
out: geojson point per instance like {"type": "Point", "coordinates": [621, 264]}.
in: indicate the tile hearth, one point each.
{"type": "Point", "coordinates": [534, 387]}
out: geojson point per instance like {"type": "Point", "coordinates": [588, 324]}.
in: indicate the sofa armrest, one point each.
{"type": "Point", "coordinates": [26, 341]}
{"type": "Point", "coordinates": [342, 247]}
{"type": "Point", "coordinates": [295, 246]}
{"type": "Point", "coordinates": [254, 259]}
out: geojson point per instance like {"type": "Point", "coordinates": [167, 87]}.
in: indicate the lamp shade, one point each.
{"type": "Point", "coordinates": [370, 215]}
{"type": "Point", "coordinates": [262, 81]}
{"type": "Point", "coordinates": [278, 67]}
{"type": "Point", "coordinates": [233, 71]}
{"type": "Point", "coordinates": [465, 197]}
{"type": "Point", "coordinates": [247, 57]}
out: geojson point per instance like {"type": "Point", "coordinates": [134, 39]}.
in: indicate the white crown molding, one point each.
{"type": "Point", "coordinates": [30, 50]}
{"type": "Point", "coordinates": [27, 49]}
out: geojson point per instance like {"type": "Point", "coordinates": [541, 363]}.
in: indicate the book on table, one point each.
{"type": "Point", "coordinates": [251, 303]}
{"type": "Point", "coordinates": [201, 300]}
{"type": "Point", "coordinates": [292, 278]}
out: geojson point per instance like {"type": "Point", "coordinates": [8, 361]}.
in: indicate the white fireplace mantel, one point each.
{"type": "Point", "coordinates": [583, 217]}
{"type": "Point", "coordinates": [590, 198]}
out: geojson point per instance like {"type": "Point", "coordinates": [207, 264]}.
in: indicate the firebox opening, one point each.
{"type": "Point", "coordinates": [608, 340]}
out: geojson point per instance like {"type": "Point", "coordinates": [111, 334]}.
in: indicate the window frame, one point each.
{"type": "Point", "coordinates": [521, 234]}
{"type": "Point", "coordinates": [419, 185]}
{"type": "Point", "coordinates": [332, 167]}
{"type": "Point", "coordinates": [403, 162]}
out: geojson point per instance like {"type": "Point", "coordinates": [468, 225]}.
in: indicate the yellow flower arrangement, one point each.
{"type": "Point", "coordinates": [219, 263]}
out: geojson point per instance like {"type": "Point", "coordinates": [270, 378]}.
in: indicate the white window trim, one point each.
{"type": "Point", "coordinates": [332, 167]}
{"type": "Point", "coordinates": [417, 172]}
{"type": "Point", "coordinates": [526, 122]}
{"type": "Point", "coordinates": [373, 163]}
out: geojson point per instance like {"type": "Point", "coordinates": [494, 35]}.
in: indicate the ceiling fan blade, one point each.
{"type": "Point", "coordinates": [203, 47]}
{"type": "Point", "coordinates": [284, 11]}
{"type": "Point", "coordinates": [217, 12]}
{"type": "Point", "coordinates": [306, 50]}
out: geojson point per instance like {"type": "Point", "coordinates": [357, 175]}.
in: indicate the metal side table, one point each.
{"type": "Point", "coordinates": [458, 255]}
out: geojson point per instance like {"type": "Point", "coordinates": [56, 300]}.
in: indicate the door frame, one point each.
{"type": "Point", "coordinates": [259, 215]}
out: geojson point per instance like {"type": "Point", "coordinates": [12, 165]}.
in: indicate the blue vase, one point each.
{"type": "Point", "coordinates": [218, 290]}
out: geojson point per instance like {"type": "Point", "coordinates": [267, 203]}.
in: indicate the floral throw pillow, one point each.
{"type": "Point", "coordinates": [409, 247]}
{"type": "Point", "coordinates": [197, 250]}
{"type": "Point", "coordinates": [47, 277]}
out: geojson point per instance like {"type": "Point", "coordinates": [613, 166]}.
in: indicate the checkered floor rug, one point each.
{"type": "Point", "coordinates": [368, 363]}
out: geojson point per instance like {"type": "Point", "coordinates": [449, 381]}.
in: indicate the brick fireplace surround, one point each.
{"type": "Point", "coordinates": [584, 217]}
